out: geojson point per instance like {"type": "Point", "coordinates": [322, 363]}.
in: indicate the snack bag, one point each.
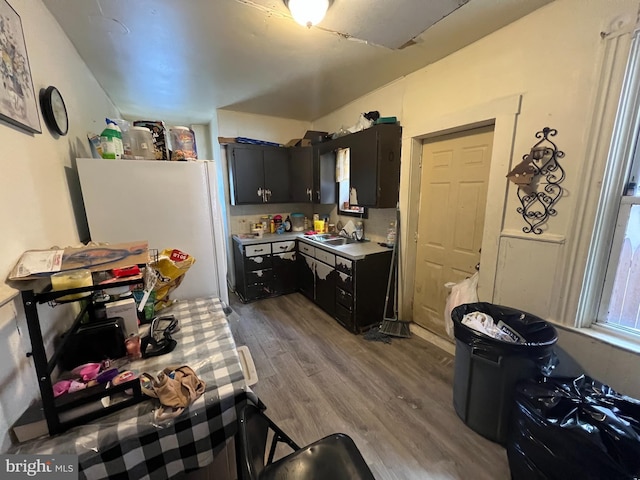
{"type": "Point", "coordinates": [171, 267]}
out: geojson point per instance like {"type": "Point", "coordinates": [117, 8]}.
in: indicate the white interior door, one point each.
{"type": "Point", "coordinates": [453, 194]}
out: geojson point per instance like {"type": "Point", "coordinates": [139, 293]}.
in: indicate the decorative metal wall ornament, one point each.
{"type": "Point", "coordinates": [538, 178]}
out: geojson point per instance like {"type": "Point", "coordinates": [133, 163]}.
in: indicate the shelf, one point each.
{"type": "Point", "coordinates": [85, 405]}
{"type": "Point", "coordinates": [47, 295]}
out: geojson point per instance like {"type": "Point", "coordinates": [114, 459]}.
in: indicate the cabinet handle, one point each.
{"type": "Point", "coordinates": [258, 250]}
{"type": "Point", "coordinates": [310, 194]}
{"type": "Point", "coordinates": [283, 247]}
{"type": "Point", "coordinates": [260, 192]}
{"type": "Point", "coordinates": [318, 194]}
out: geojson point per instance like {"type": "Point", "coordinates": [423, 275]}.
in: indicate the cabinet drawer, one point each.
{"type": "Point", "coordinates": [259, 277]}
{"type": "Point", "coordinates": [326, 257]}
{"type": "Point", "coordinates": [259, 262]}
{"type": "Point", "coordinates": [345, 317]}
{"type": "Point", "coordinates": [344, 298]}
{"type": "Point", "coordinates": [344, 265]}
{"type": "Point", "coordinates": [260, 249]}
{"type": "Point", "coordinates": [258, 290]}
{"type": "Point", "coordinates": [281, 247]}
{"type": "Point", "coordinates": [281, 257]}
{"type": "Point", "coordinates": [344, 281]}
{"type": "Point", "coordinates": [308, 249]}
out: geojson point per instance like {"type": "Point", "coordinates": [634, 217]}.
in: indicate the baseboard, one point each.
{"type": "Point", "coordinates": [438, 341]}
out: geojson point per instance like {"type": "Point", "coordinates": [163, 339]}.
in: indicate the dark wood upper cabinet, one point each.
{"type": "Point", "coordinates": [301, 174]}
{"type": "Point", "coordinates": [276, 174]}
{"type": "Point", "coordinates": [246, 174]}
{"type": "Point", "coordinates": [324, 178]}
{"type": "Point", "coordinates": [261, 174]}
{"type": "Point", "coordinates": [258, 174]}
{"type": "Point", "coordinates": [374, 170]}
{"type": "Point", "coordinates": [313, 176]}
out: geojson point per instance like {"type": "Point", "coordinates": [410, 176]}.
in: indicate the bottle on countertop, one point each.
{"type": "Point", "coordinates": [391, 234]}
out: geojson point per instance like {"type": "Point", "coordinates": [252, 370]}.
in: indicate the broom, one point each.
{"type": "Point", "coordinates": [392, 325]}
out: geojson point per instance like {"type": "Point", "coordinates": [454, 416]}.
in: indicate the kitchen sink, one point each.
{"type": "Point", "coordinates": [332, 240]}
{"type": "Point", "coordinates": [339, 241]}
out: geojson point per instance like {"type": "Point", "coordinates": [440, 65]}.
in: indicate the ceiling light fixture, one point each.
{"type": "Point", "coordinates": [308, 12]}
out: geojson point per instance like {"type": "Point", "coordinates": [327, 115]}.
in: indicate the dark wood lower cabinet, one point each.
{"type": "Point", "coordinates": [351, 291]}
{"type": "Point", "coordinates": [306, 275]}
{"type": "Point", "coordinates": [326, 287]}
{"type": "Point", "coordinates": [264, 270]}
{"type": "Point", "coordinates": [285, 272]}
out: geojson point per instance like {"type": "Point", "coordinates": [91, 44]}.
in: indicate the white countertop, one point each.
{"type": "Point", "coordinates": [353, 251]}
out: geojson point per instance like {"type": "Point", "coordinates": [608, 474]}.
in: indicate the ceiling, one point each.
{"type": "Point", "coordinates": [181, 60]}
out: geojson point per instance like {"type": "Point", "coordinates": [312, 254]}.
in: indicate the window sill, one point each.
{"type": "Point", "coordinates": [610, 335]}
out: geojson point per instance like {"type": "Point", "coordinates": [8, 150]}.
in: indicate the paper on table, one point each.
{"type": "Point", "coordinates": [92, 257]}
{"type": "Point", "coordinates": [45, 261]}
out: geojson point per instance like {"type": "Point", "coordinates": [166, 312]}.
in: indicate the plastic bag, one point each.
{"type": "Point", "coordinates": [566, 427]}
{"type": "Point", "coordinates": [171, 266]}
{"type": "Point", "coordinates": [464, 292]}
{"type": "Point", "coordinates": [484, 323]}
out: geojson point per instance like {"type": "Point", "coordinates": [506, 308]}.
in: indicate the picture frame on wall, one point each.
{"type": "Point", "coordinates": [18, 102]}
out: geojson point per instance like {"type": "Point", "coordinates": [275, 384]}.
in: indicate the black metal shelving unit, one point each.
{"type": "Point", "coordinates": [40, 292]}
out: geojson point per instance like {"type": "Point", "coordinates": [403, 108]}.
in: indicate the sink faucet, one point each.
{"type": "Point", "coordinates": [344, 233]}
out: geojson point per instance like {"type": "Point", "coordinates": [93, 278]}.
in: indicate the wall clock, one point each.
{"type": "Point", "coordinates": [54, 110]}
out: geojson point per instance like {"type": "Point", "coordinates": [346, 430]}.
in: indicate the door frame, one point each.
{"type": "Point", "coordinates": [502, 113]}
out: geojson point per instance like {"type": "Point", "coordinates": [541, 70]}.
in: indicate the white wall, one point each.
{"type": "Point", "coordinates": [551, 60]}
{"type": "Point", "coordinates": [37, 187]}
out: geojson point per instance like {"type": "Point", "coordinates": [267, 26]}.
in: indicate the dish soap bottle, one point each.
{"type": "Point", "coordinates": [391, 234]}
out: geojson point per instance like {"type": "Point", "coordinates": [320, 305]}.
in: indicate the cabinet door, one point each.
{"type": "Point", "coordinates": [324, 178]}
{"type": "Point", "coordinates": [276, 174]}
{"type": "Point", "coordinates": [301, 170]}
{"type": "Point", "coordinates": [246, 175]}
{"type": "Point", "coordinates": [306, 275]}
{"type": "Point", "coordinates": [363, 168]}
{"type": "Point", "coordinates": [326, 287]}
{"type": "Point", "coordinates": [285, 272]}
{"type": "Point", "coordinates": [389, 140]}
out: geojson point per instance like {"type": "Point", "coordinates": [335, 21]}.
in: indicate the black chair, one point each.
{"type": "Point", "coordinates": [335, 457]}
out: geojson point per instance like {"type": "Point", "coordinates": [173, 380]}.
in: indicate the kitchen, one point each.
{"type": "Point", "coordinates": [458, 90]}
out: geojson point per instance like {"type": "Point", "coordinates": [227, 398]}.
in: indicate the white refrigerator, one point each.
{"type": "Point", "coordinates": [169, 204]}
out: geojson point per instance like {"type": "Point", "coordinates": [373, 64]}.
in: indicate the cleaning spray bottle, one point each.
{"type": "Point", "coordinates": [111, 141]}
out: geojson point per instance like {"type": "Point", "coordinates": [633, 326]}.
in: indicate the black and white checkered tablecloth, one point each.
{"type": "Point", "coordinates": [127, 445]}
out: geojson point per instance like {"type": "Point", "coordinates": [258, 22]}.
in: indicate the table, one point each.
{"type": "Point", "coordinates": [128, 445]}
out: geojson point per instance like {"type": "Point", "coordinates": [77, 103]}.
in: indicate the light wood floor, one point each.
{"type": "Point", "coordinates": [394, 400]}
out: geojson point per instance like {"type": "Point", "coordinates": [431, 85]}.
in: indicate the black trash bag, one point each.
{"type": "Point", "coordinates": [566, 428]}
{"type": "Point", "coordinates": [540, 336]}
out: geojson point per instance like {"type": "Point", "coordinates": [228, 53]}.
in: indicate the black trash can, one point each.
{"type": "Point", "coordinates": [487, 369]}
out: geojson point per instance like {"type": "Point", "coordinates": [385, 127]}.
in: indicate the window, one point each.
{"type": "Point", "coordinates": [611, 291]}
{"type": "Point", "coordinates": [620, 301]}
{"type": "Point", "coordinates": [347, 203]}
